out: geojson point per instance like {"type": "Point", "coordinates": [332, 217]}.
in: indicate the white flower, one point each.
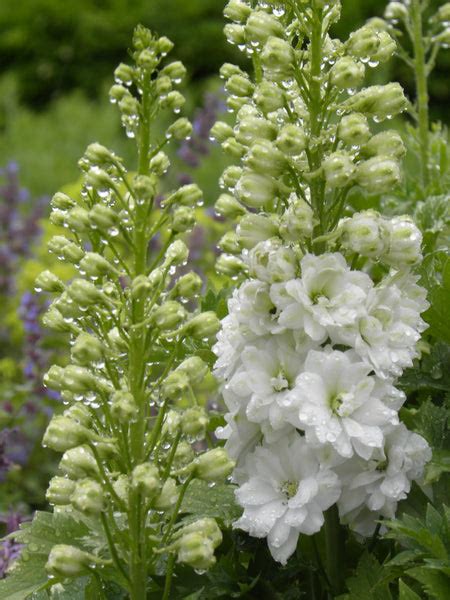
{"type": "Point", "coordinates": [271, 261]}
{"type": "Point", "coordinates": [372, 489]}
{"type": "Point", "coordinates": [241, 438]}
{"type": "Point", "coordinates": [336, 401]}
{"type": "Point", "coordinates": [229, 345]}
{"type": "Point", "coordinates": [285, 495]}
{"type": "Point", "coordinates": [328, 294]}
{"type": "Point", "coordinates": [363, 234]}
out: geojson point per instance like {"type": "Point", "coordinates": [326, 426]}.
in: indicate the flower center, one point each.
{"type": "Point", "coordinates": [317, 296]}
{"type": "Point", "coordinates": [280, 382]}
{"type": "Point", "coordinates": [289, 488]}
{"type": "Point", "coordinates": [336, 403]}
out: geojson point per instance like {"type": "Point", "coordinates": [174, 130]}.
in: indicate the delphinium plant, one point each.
{"type": "Point", "coordinates": [132, 385]}
{"type": "Point", "coordinates": [327, 312]}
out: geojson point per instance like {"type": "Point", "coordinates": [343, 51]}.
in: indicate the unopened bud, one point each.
{"type": "Point", "coordinates": [221, 131]}
{"type": "Point", "coordinates": [378, 174]}
{"type": "Point", "coordinates": [48, 282]}
{"type": "Point", "coordinates": [67, 561]}
{"type": "Point", "coordinates": [239, 85]}
{"type": "Point", "coordinates": [77, 219]}
{"type": "Point", "coordinates": [362, 234]}
{"type": "Point", "coordinates": [164, 45]}
{"type": "Point", "coordinates": [103, 217]}
{"type": "Point", "coordinates": [268, 97]}
{"type": "Point", "coordinates": [59, 491]}
{"type": "Point", "coordinates": [266, 159]}
{"type": "Point", "coordinates": [145, 478]}
{"type": "Point", "coordinates": [227, 206]}
{"type": "Point", "coordinates": [123, 406]}
{"type": "Point", "coordinates": [256, 190]}
{"type": "Point", "coordinates": [234, 33]}
{"type": "Point", "coordinates": [174, 385]}
{"type": "Point", "coordinates": [214, 465]}
{"type": "Point", "coordinates": [339, 169]}
{"type": "Point", "coordinates": [203, 326]}
{"type": "Point", "coordinates": [386, 49]}
{"type": "Point", "coordinates": [79, 379]}
{"type": "Point", "coordinates": [177, 253]}
{"type": "Point", "coordinates": [363, 43]}
{"type": "Point", "coordinates": [183, 219]}
{"type": "Point", "coordinates": [207, 527]}
{"type": "Point", "coordinates": [188, 286]}
{"type": "Point", "coordinates": [160, 163]}
{"type": "Point", "coordinates": [347, 73]}
{"type": "Point", "coordinates": [229, 243]}
{"type": "Point", "coordinates": [88, 497]}
{"type": "Point", "coordinates": [79, 462]}
{"type": "Point", "coordinates": [145, 186]}
{"type": "Point", "coordinates": [271, 261]}
{"type": "Point", "coordinates": [194, 423]}
{"type": "Point", "coordinates": [117, 93]}
{"type": "Point", "coordinates": [99, 155]}
{"type": "Point", "coordinates": [254, 228]}
{"type": "Point", "coordinates": [80, 413]}
{"type": "Point", "coordinates": [169, 315]}
{"type": "Point", "coordinates": [121, 486]}
{"type": "Point", "coordinates": [94, 265]}
{"type": "Point", "coordinates": [231, 176]}
{"type": "Point", "coordinates": [354, 129]}
{"type": "Point", "coordinates": [173, 101]}
{"type": "Point", "coordinates": [124, 74]}
{"type": "Point", "coordinates": [87, 349]}
{"type": "Point", "coordinates": [85, 293]}
{"type": "Point", "coordinates": [378, 101]}
{"type": "Point", "coordinates": [172, 420]}
{"type": "Point", "coordinates": [297, 222]}
{"type": "Point", "coordinates": [291, 140]}
{"type": "Point", "coordinates": [230, 265]}
{"type": "Point", "coordinates": [405, 240]}
{"type": "Point", "coordinates": [196, 551]}
{"type": "Point", "coordinates": [163, 85]}
{"type": "Point", "coordinates": [63, 248]}
{"type": "Point", "coordinates": [195, 369]}
{"type": "Point", "coordinates": [184, 455]}
{"type": "Point", "coordinates": [147, 59]}
{"type": "Point", "coordinates": [63, 434]}
{"type": "Point", "coordinates": [99, 179]}
{"type": "Point", "coordinates": [180, 129]}
{"type": "Point", "coordinates": [53, 319]}
{"type": "Point", "coordinates": [175, 70]}
{"type": "Point", "coordinates": [62, 201]}
{"type": "Point", "coordinates": [187, 195]}
{"type": "Point", "coordinates": [236, 10]}
{"type": "Point", "coordinates": [277, 59]}
{"type": "Point", "coordinates": [252, 129]}
{"type": "Point", "coordinates": [388, 143]}
{"type": "Point", "coordinates": [233, 148]}
{"type": "Point", "coordinates": [395, 11]}
{"type": "Point", "coordinates": [168, 496]}
{"type": "Point", "coordinates": [261, 25]}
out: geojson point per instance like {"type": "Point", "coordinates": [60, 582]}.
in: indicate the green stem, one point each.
{"type": "Point", "coordinates": [169, 574]}
{"type": "Point", "coordinates": [176, 509]}
{"type": "Point", "coordinates": [421, 76]}
{"type": "Point", "coordinates": [112, 547]}
{"type": "Point", "coordinates": [334, 551]}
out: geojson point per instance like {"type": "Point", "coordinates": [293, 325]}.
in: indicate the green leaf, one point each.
{"type": "Point", "coordinates": [369, 581]}
{"type": "Point", "coordinates": [437, 315]}
{"type": "Point", "coordinates": [436, 584]}
{"type": "Point", "coordinates": [217, 502]}
{"type": "Point", "coordinates": [405, 592]}
{"type": "Point", "coordinates": [439, 465]}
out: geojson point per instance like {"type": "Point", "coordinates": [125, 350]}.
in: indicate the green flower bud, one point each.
{"type": "Point", "coordinates": [277, 58]}
{"type": "Point", "coordinates": [221, 131]}
{"type": "Point", "coordinates": [253, 129]}
{"type": "Point", "coordinates": [256, 190]}
{"type": "Point", "coordinates": [181, 129]}
{"type": "Point", "coordinates": [147, 60]}
{"type": "Point", "coordinates": [194, 423]}
{"type": "Point", "coordinates": [183, 219]}
{"type": "Point", "coordinates": [117, 340]}
{"type": "Point", "coordinates": [363, 43]}
{"type": "Point", "coordinates": [235, 34]}
{"type": "Point", "coordinates": [62, 201]}
{"type": "Point", "coordinates": [63, 434]}
{"type": "Point", "coordinates": [145, 187]}
{"type": "Point", "coordinates": [54, 378]}
{"type": "Point", "coordinates": [195, 369]}
{"type": "Point", "coordinates": [227, 70]}
{"type": "Point", "coordinates": [388, 143]}
{"type": "Point", "coordinates": [53, 319]}
{"type": "Point", "coordinates": [395, 11]}
{"type": "Point", "coordinates": [229, 243]}
{"type": "Point", "coordinates": [168, 496]}
{"type": "Point", "coordinates": [88, 497]}
{"type": "Point", "coordinates": [378, 174]}
{"type": "Point", "coordinates": [339, 169]}
{"type": "Point", "coordinates": [253, 229]}
{"type": "Point", "coordinates": [173, 101]}
{"type": "Point", "coordinates": [79, 412]}
{"type": "Point", "coordinates": [79, 462]}
{"type": "Point", "coordinates": [84, 292]}
{"type": "Point", "coordinates": [67, 307]}
{"type": "Point", "coordinates": [188, 286]}
{"type": "Point", "coordinates": [443, 38]}
{"type": "Point", "coordinates": [95, 265]}
{"type": "Point", "coordinates": [230, 265]}
{"type": "Point", "coordinates": [63, 248]}
{"type": "Point", "coordinates": [354, 129]}
{"type": "Point", "coordinates": [99, 155]}
{"type": "Point", "coordinates": [236, 10]}
{"type": "Point", "coordinates": [214, 465]}
{"type": "Point", "coordinates": [175, 70]}
{"type": "Point", "coordinates": [59, 491]}
{"type": "Point", "coordinates": [183, 455]}
{"type": "Point", "coordinates": [121, 486]}
{"type": "Point", "coordinates": [145, 478]}
{"type": "Point", "coordinates": [196, 551]}
{"type": "Point", "coordinates": [231, 176]}
{"type": "Point", "coordinates": [164, 45]}
{"type": "Point", "coordinates": [443, 13]}
{"type": "Point", "coordinates": [291, 139]}
{"type": "Point", "coordinates": [172, 421]}
{"type": "Point", "coordinates": [271, 261]}
{"type": "Point", "coordinates": [177, 253]}
{"type": "Point", "coordinates": [58, 217]}
{"type": "Point", "coordinates": [129, 106]}
{"type": "Point", "coordinates": [79, 379]}
{"type": "Point", "coordinates": [187, 195]}
{"type": "Point", "coordinates": [117, 93]}
{"type": "Point", "coordinates": [378, 101]}
{"type": "Point", "coordinates": [169, 315]}
{"type": "Point", "coordinates": [266, 159]}
{"type": "Point", "coordinates": [67, 561]}
{"type": "Point", "coordinates": [157, 278]}
{"type": "Point", "coordinates": [239, 85]}
{"type": "Point", "coordinates": [405, 240]}
{"type": "Point", "coordinates": [48, 282]}
{"type": "Point", "coordinates": [87, 349]}
{"type": "Point", "coordinates": [207, 527]}
{"type": "Point", "coordinates": [99, 179]}
{"type": "Point", "coordinates": [268, 97]}
{"type": "Point", "coordinates": [346, 73]}
{"type": "Point", "coordinates": [124, 74]}
{"type": "Point", "coordinates": [362, 234]}
{"type": "Point", "coordinates": [297, 222]}
{"type": "Point", "coordinates": [160, 163]}
{"type": "Point", "coordinates": [163, 85]}
{"type": "Point", "coordinates": [103, 217]}
{"type": "Point", "coordinates": [233, 148]}
{"type": "Point", "coordinates": [386, 49]}
{"type": "Point", "coordinates": [124, 407]}
{"type": "Point", "coordinates": [260, 26]}
{"type": "Point", "coordinates": [78, 219]}
{"type": "Point", "coordinates": [227, 206]}
{"type": "Point", "coordinates": [203, 326]}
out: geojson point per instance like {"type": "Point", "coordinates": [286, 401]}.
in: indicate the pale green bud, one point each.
{"type": "Point", "coordinates": [123, 406]}
{"type": "Point", "coordinates": [239, 85]}
{"type": "Point", "coordinates": [62, 247]}
{"type": "Point", "coordinates": [395, 11]}
{"type": "Point", "coordinates": [184, 454]}
{"type": "Point", "coordinates": [277, 58]}
{"type": "Point", "coordinates": [95, 265]}
{"type": "Point", "coordinates": [183, 219]}
{"type": "Point", "coordinates": [268, 97]}
{"type": "Point", "coordinates": [221, 131]}
{"type": "Point", "coordinates": [195, 369]}
{"type": "Point", "coordinates": [386, 49]}
{"type": "Point", "coordinates": [78, 219]}
{"type": "Point", "coordinates": [84, 292]}
{"type": "Point", "coordinates": [266, 159]}
{"type": "Point", "coordinates": [63, 434]}
{"type": "Point", "coordinates": [405, 240]}
{"type": "Point", "coordinates": [378, 101]}
{"type": "Point", "coordinates": [443, 14]}
{"type": "Point", "coordinates": [173, 101]}
{"type": "Point", "coordinates": [231, 176]}
{"type": "Point", "coordinates": [260, 26]}
{"type": "Point", "coordinates": [364, 42]}
{"type": "Point", "coordinates": [54, 378]}
{"type": "Point", "coordinates": [124, 74]}
{"type": "Point", "coordinates": [181, 129]}
{"type": "Point", "coordinates": [230, 265]}
{"type": "Point", "coordinates": [254, 228]}
{"type": "Point", "coordinates": [99, 179]}
{"type": "Point", "coordinates": [177, 253]}
{"type": "Point", "coordinates": [87, 349]}
{"type": "Point", "coordinates": [169, 315]}
{"type": "Point", "coordinates": [53, 319]}
{"type": "Point", "coordinates": [196, 551]}
{"type": "Point", "coordinates": [146, 479]}
{"type": "Point", "coordinates": [228, 69]}
{"type": "Point", "coordinates": [188, 286]}
{"type": "Point", "coordinates": [255, 189]}
{"type": "Point", "coordinates": [234, 33]}
{"type": "Point", "coordinates": [354, 129]}
{"type": "Point", "coordinates": [214, 465]}
{"type": "Point", "coordinates": [164, 45]}
{"type": "Point", "coordinates": [363, 234]}
{"type": "Point", "coordinates": [67, 561]}
{"type": "Point", "coordinates": [168, 496]}
{"type": "Point", "coordinates": [58, 217]}
{"type": "Point", "coordinates": [117, 93]}
{"type": "Point", "coordinates": [156, 279]}
{"type": "Point", "coordinates": [99, 155]}
{"type": "Point", "coordinates": [62, 201]}
{"type": "Point", "coordinates": [117, 340]}
{"type": "Point", "coordinates": [67, 307]}
{"type": "Point", "coordinates": [129, 106]}
{"type": "Point", "coordinates": [59, 491]}
{"type": "Point", "coordinates": [147, 59]}
{"type": "Point", "coordinates": [175, 70]}
{"type": "Point", "coordinates": [160, 163]}
{"type": "Point", "coordinates": [48, 282]}
{"type": "Point", "coordinates": [229, 243]}
{"type": "Point", "coordinates": [443, 38]}
{"type": "Point", "coordinates": [291, 139]}
{"type": "Point", "coordinates": [172, 420]}
{"type": "Point", "coordinates": [388, 143]}
{"type": "Point", "coordinates": [163, 85]}
{"type": "Point", "coordinates": [203, 326]}
{"type": "Point", "coordinates": [233, 148]}
{"type": "Point", "coordinates": [253, 129]}
{"type": "Point", "coordinates": [145, 186]}
{"type": "Point", "coordinates": [346, 73]}
{"type": "Point", "coordinates": [79, 379]}
{"type": "Point", "coordinates": [236, 10]}
{"type": "Point", "coordinates": [227, 206]}
{"type": "Point", "coordinates": [174, 385]}
{"type": "Point", "coordinates": [79, 462]}
{"type": "Point", "coordinates": [79, 412]}
{"type": "Point", "coordinates": [339, 169]}
{"type": "Point", "coordinates": [121, 486]}
{"type": "Point", "coordinates": [103, 217]}
{"type": "Point", "coordinates": [88, 497]}
{"type": "Point", "coordinates": [207, 527]}
{"type": "Point", "coordinates": [271, 261]}
{"type": "Point", "coordinates": [378, 174]}
{"type": "Point", "coordinates": [194, 423]}
{"type": "Point", "coordinates": [297, 222]}
{"type": "Point", "coordinates": [187, 195]}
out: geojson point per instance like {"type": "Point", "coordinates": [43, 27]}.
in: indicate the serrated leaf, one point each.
{"type": "Point", "coordinates": [436, 584]}
{"type": "Point", "coordinates": [217, 502]}
{"type": "Point", "coordinates": [439, 464]}
{"type": "Point", "coordinates": [437, 315]}
{"type": "Point", "coordinates": [368, 581]}
{"type": "Point", "coordinates": [405, 592]}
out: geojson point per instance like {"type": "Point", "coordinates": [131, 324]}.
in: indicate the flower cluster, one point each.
{"type": "Point", "coordinates": [316, 335]}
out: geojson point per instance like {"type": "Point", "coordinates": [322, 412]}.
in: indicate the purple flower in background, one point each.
{"type": "Point", "coordinates": [9, 549]}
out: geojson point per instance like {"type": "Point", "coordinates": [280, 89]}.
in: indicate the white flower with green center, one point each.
{"type": "Point", "coordinates": [241, 437]}
{"type": "Point", "coordinates": [286, 493]}
{"type": "Point", "coordinates": [372, 489]}
{"type": "Point", "coordinates": [328, 294]}
{"type": "Point", "coordinates": [337, 402]}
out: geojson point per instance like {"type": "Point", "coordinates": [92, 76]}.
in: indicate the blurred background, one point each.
{"type": "Point", "coordinates": [56, 66]}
